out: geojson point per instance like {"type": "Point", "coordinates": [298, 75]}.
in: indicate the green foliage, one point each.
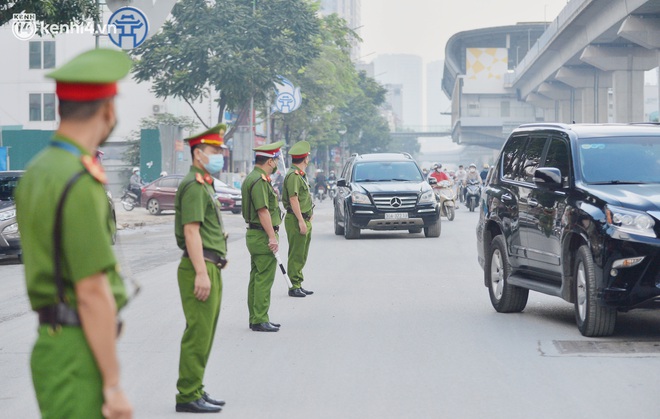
{"type": "Point", "coordinates": [228, 45]}
{"type": "Point", "coordinates": [132, 153]}
{"type": "Point", "coordinates": [51, 11]}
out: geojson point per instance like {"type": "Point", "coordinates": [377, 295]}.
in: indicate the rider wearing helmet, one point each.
{"type": "Point", "coordinates": [319, 180]}
{"type": "Point", "coordinates": [484, 172]}
{"type": "Point", "coordinates": [135, 183]}
{"type": "Point", "coordinates": [438, 174]}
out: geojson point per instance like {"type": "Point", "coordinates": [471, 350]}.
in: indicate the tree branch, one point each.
{"type": "Point", "coordinates": [196, 114]}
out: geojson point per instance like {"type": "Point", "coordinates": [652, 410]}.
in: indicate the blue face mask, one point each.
{"type": "Point", "coordinates": [215, 164]}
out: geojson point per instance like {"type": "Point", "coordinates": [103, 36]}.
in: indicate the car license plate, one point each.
{"type": "Point", "coordinates": [395, 215]}
{"type": "Point", "coordinates": [237, 203]}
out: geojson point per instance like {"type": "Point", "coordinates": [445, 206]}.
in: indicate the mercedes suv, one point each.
{"type": "Point", "coordinates": [384, 191]}
{"type": "Point", "coordinates": [573, 211]}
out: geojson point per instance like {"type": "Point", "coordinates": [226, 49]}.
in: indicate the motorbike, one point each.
{"type": "Point", "coordinates": [447, 199]}
{"type": "Point", "coordinates": [332, 188]}
{"type": "Point", "coordinates": [472, 194]}
{"type": "Point", "coordinates": [320, 193]}
{"type": "Point", "coordinates": [129, 200]}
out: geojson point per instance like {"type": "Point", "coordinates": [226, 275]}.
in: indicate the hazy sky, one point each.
{"type": "Point", "coordinates": [422, 27]}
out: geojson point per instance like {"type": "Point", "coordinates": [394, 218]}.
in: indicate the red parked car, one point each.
{"type": "Point", "coordinates": [159, 195]}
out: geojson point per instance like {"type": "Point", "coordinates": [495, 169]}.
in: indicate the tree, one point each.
{"type": "Point", "coordinates": [230, 46]}
{"type": "Point", "coordinates": [51, 11]}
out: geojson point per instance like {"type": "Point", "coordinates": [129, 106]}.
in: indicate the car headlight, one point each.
{"type": "Point", "coordinates": [6, 215]}
{"type": "Point", "coordinates": [630, 221]}
{"type": "Point", "coordinates": [427, 197]}
{"type": "Point", "coordinates": [360, 198]}
{"type": "Point", "coordinates": [11, 231]}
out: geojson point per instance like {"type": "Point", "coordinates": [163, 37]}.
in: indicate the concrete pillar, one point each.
{"type": "Point", "coordinates": [564, 98]}
{"type": "Point", "coordinates": [591, 91]}
{"type": "Point", "coordinates": [544, 103]}
{"type": "Point", "coordinates": [628, 89]}
{"type": "Point", "coordinates": [627, 64]}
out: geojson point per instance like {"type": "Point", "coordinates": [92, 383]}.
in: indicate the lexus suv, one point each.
{"type": "Point", "coordinates": [573, 211]}
{"type": "Point", "coordinates": [384, 191]}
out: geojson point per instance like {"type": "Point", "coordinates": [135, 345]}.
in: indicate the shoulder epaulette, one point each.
{"type": "Point", "coordinates": [94, 168]}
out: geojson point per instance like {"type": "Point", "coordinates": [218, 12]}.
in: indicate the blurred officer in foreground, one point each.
{"type": "Point", "coordinates": [200, 234]}
{"type": "Point", "coordinates": [297, 200]}
{"type": "Point", "coordinates": [70, 268]}
{"type": "Point", "coordinates": [261, 212]}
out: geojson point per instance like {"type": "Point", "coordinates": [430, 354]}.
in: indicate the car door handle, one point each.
{"type": "Point", "coordinates": [532, 202]}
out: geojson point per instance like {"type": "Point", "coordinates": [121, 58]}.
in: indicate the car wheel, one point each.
{"type": "Point", "coordinates": [434, 229]}
{"type": "Point", "coordinates": [592, 318]}
{"type": "Point", "coordinates": [350, 232]}
{"type": "Point", "coordinates": [236, 211]}
{"type": "Point", "coordinates": [153, 206]}
{"type": "Point", "coordinates": [504, 297]}
{"type": "Point", "coordinates": [415, 230]}
{"type": "Point", "coordinates": [339, 230]}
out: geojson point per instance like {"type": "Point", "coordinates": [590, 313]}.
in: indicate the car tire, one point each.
{"type": "Point", "coordinates": [434, 229]}
{"type": "Point", "coordinates": [350, 232]}
{"type": "Point", "coordinates": [415, 230]}
{"type": "Point", "coordinates": [153, 206]}
{"type": "Point", "coordinates": [236, 211]}
{"type": "Point", "coordinates": [504, 297]}
{"type": "Point", "coordinates": [592, 318]}
{"type": "Point", "coordinates": [339, 230]}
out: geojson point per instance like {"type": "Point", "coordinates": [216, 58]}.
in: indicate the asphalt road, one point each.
{"type": "Point", "coordinates": [400, 326]}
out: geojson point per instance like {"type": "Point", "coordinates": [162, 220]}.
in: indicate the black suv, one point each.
{"type": "Point", "coordinates": [384, 191]}
{"type": "Point", "coordinates": [574, 211]}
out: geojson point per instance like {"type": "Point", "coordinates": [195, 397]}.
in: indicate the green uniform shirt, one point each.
{"type": "Point", "coordinates": [196, 203]}
{"type": "Point", "coordinates": [86, 225]}
{"type": "Point", "coordinates": [296, 185]}
{"type": "Point", "coordinates": [258, 193]}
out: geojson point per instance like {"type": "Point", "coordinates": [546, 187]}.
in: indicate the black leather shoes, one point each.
{"type": "Point", "coordinates": [307, 292]}
{"type": "Point", "coordinates": [209, 400]}
{"type": "Point", "coordinates": [275, 324]}
{"type": "Point", "coordinates": [297, 292]}
{"type": "Point", "coordinates": [198, 406]}
{"type": "Point", "coordinates": [263, 327]}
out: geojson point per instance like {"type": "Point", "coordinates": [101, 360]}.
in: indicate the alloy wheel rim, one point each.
{"type": "Point", "coordinates": [496, 274]}
{"type": "Point", "coordinates": [581, 291]}
{"type": "Point", "coordinates": [153, 206]}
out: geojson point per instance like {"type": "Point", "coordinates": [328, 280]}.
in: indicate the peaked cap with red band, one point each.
{"type": "Point", "coordinates": [300, 150]}
{"type": "Point", "coordinates": [269, 150]}
{"type": "Point", "coordinates": [92, 75]}
{"type": "Point", "coordinates": [213, 136]}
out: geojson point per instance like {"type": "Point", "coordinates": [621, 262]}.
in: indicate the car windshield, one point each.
{"type": "Point", "coordinates": [7, 186]}
{"type": "Point", "coordinates": [620, 160]}
{"type": "Point", "coordinates": [399, 171]}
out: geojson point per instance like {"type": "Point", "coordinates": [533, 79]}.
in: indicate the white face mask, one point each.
{"type": "Point", "coordinates": [472, 170]}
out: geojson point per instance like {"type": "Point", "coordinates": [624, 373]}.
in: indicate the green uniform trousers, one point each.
{"type": "Point", "coordinates": [66, 379]}
{"type": "Point", "coordinates": [298, 249]}
{"type": "Point", "coordinates": [201, 322]}
{"type": "Point", "coordinates": [262, 274]}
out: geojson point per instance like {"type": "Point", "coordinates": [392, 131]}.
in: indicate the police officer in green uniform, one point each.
{"type": "Point", "coordinates": [200, 234]}
{"type": "Point", "coordinates": [261, 212]}
{"type": "Point", "coordinates": [70, 269]}
{"type": "Point", "coordinates": [297, 201]}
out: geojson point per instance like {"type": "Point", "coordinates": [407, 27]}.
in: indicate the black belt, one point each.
{"type": "Point", "coordinates": [63, 315]}
{"type": "Point", "coordinates": [210, 256]}
{"type": "Point", "coordinates": [259, 227]}
{"type": "Point", "coordinates": [306, 215]}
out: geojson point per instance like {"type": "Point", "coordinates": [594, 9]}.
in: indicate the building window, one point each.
{"type": "Point", "coordinates": [42, 54]}
{"type": "Point", "coordinates": [37, 100]}
{"type": "Point", "coordinates": [505, 109]}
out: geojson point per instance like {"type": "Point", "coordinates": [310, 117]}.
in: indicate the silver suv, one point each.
{"type": "Point", "coordinates": [10, 243]}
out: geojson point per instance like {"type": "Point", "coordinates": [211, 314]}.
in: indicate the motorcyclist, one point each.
{"type": "Point", "coordinates": [438, 174]}
{"type": "Point", "coordinates": [472, 174]}
{"type": "Point", "coordinates": [135, 183]}
{"type": "Point", "coordinates": [484, 172]}
{"type": "Point", "coordinates": [461, 175]}
{"type": "Point", "coordinates": [332, 176]}
{"type": "Point", "coordinates": [319, 180]}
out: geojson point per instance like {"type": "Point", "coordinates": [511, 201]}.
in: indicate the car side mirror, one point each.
{"type": "Point", "coordinates": [433, 181]}
{"type": "Point", "coordinates": [550, 177]}
{"type": "Point", "coordinates": [341, 183]}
